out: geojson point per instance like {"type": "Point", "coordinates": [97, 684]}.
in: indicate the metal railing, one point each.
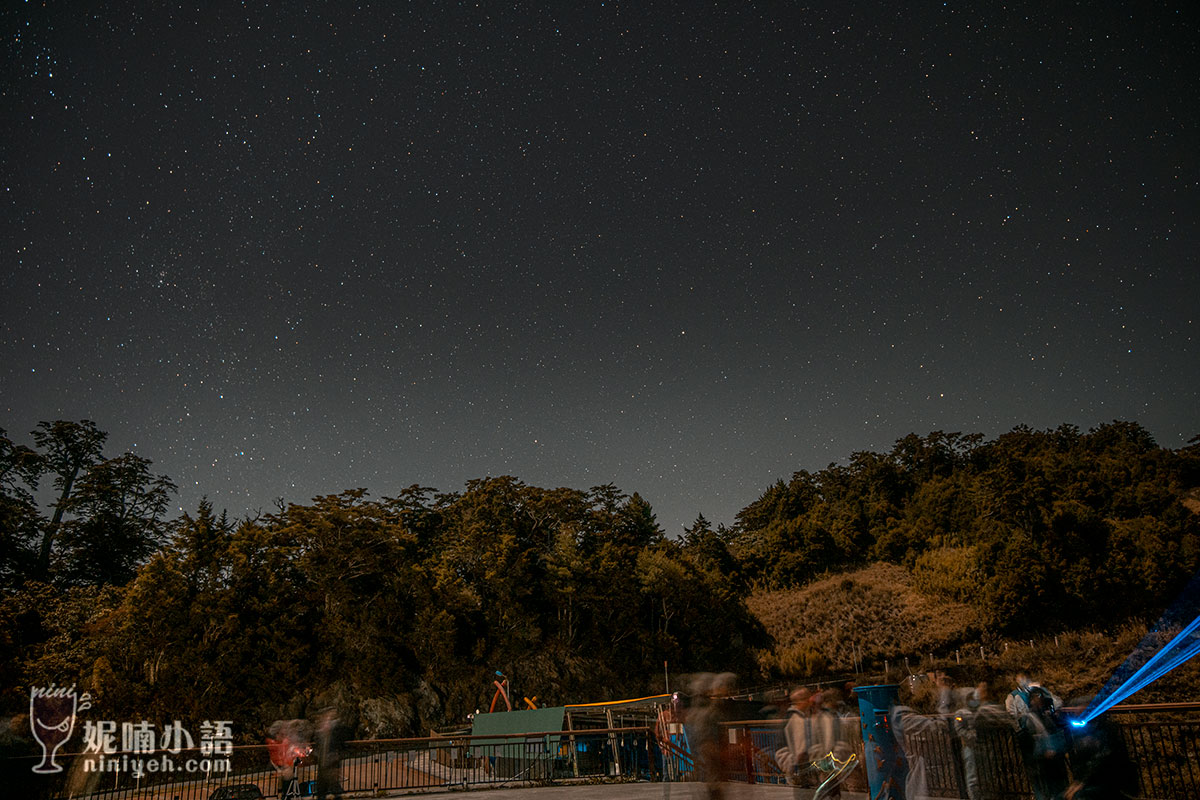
{"type": "Point", "coordinates": [1166, 755]}
{"type": "Point", "coordinates": [1165, 758]}
{"type": "Point", "coordinates": [367, 766]}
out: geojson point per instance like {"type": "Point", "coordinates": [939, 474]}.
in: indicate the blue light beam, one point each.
{"type": "Point", "coordinates": [1141, 679]}
{"type": "Point", "coordinates": [1176, 652]}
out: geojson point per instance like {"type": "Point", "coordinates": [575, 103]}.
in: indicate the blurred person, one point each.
{"type": "Point", "coordinates": [852, 725]}
{"type": "Point", "coordinates": [1100, 764]}
{"type": "Point", "coordinates": [1049, 746]}
{"type": "Point", "coordinates": [847, 704]}
{"type": "Point", "coordinates": [793, 757]}
{"type": "Point", "coordinates": [697, 717]}
{"type": "Point", "coordinates": [1017, 702]}
{"type": "Point", "coordinates": [288, 743]}
{"type": "Point", "coordinates": [912, 721]}
{"type": "Point", "coordinates": [1041, 736]}
{"type": "Point", "coordinates": [975, 723]}
{"type": "Point", "coordinates": [710, 708]}
{"type": "Point", "coordinates": [834, 739]}
{"type": "Point", "coordinates": [815, 745]}
{"type": "Point", "coordinates": [725, 711]}
{"type": "Point", "coordinates": [833, 704]}
{"type": "Point", "coordinates": [331, 740]}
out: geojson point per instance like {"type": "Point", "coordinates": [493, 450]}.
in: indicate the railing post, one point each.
{"type": "Point", "coordinates": [650, 745]}
{"type": "Point", "coordinates": [748, 753]}
{"type": "Point", "coordinates": [574, 754]}
{"type": "Point", "coordinates": [612, 739]}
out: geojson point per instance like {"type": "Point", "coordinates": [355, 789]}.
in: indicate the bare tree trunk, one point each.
{"type": "Point", "coordinates": [42, 569]}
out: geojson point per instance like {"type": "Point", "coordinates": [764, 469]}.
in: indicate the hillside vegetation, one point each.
{"type": "Point", "coordinates": [1033, 530]}
{"type": "Point", "coordinates": [871, 625]}
{"type": "Point", "coordinates": [401, 609]}
{"type": "Point", "coordinates": [871, 614]}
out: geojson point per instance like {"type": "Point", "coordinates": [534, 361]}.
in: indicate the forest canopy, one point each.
{"type": "Point", "coordinates": [400, 609]}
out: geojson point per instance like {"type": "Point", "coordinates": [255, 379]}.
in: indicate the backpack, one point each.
{"type": "Point", "coordinates": [1045, 710]}
{"type": "Point", "coordinates": [1054, 742]}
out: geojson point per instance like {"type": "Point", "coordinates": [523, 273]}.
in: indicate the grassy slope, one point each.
{"type": "Point", "coordinates": [877, 610]}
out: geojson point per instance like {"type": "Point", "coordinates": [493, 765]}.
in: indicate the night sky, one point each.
{"type": "Point", "coordinates": [284, 250]}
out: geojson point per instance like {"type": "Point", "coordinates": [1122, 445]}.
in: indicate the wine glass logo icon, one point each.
{"type": "Point", "coordinates": [52, 713]}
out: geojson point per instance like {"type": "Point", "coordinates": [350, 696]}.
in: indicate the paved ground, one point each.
{"type": "Point", "coordinates": [626, 791]}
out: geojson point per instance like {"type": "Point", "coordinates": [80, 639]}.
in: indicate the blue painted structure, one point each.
{"type": "Point", "coordinates": [886, 767]}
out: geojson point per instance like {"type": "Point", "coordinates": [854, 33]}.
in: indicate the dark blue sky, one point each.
{"type": "Point", "coordinates": [284, 250]}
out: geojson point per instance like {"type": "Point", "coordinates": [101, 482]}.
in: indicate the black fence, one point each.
{"type": "Point", "coordinates": [1166, 755]}
{"type": "Point", "coordinates": [452, 762]}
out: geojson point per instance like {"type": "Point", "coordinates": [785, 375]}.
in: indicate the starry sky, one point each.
{"type": "Point", "coordinates": [284, 250]}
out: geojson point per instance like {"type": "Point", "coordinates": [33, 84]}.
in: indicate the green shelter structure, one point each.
{"type": "Point", "coordinates": [564, 741]}
{"type": "Point", "coordinates": [520, 744]}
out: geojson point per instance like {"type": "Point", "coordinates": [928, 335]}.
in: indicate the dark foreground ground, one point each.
{"type": "Point", "coordinates": [629, 791]}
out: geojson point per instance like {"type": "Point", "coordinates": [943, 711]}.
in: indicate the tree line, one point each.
{"type": "Point", "coordinates": [401, 609]}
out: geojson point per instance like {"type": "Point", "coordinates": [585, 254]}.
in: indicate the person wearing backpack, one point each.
{"type": "Point", "coordinates": [793, 757]}
{"type": "Point", "coordinates": [1041, 736]}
